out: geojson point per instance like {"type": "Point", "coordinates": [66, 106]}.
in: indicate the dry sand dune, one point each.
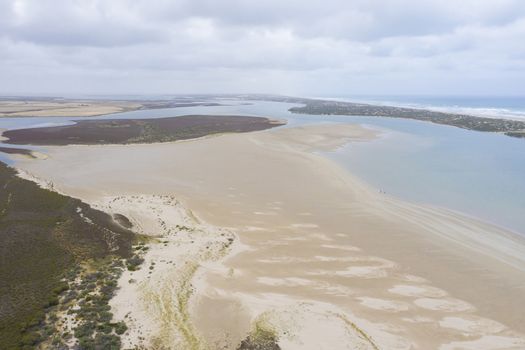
{"type": "Point", "coordinates": [281, 239]}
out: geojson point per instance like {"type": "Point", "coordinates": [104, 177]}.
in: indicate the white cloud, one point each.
{"type": "Point", "coordinates": [308, 47]}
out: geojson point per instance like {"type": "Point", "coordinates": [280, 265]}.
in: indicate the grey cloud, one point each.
{"type": "Point", "coordinates": [307, 45]}
{"type": "Point", "coordinates": [69, 23]}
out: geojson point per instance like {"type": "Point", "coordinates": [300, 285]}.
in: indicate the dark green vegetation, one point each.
{"type": "Point", "coordinates": [53, 249]}
{"type": "Point", "coordinates": [125, 131]}
{"type": "Point", "coordinates": [519, 134]}
{"type": "Point", "coordinates": [13, 150]}
{"type": "Point", "coordinates": [514, 128]}
{"type": "Point", "coordinates": [95, 329]}
{"type": "Point", "coordinates": [260, 339]}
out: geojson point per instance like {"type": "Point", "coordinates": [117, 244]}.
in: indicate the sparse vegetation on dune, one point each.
{"type": "Point", "coordinates": [262, 337]}
{"type": "Point", "coordinates": [47, 243]}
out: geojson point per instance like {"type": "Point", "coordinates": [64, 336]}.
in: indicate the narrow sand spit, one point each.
{"type": "Point", "coordinates": [28, 108]}
{"type": "Point", "coordinates": [321, 260]}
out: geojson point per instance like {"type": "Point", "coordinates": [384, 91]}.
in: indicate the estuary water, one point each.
{"type": "Point", "coordinates": [479, 174]}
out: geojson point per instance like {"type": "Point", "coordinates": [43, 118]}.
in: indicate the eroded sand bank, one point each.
{"type": "Point", "coordinates": [318, 257]}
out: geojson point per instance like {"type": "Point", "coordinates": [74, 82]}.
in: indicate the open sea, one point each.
{"type": "Point", "coordinates": [478, 174]}
{"type": "Point", "coordinates": [511, 107]}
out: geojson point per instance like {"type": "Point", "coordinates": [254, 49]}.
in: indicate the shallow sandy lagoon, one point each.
{"type": "Point", "coordinates": [320, 258]}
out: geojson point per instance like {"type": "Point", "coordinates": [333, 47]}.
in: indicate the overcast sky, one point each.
{"type": "Point", "coordinates": [298, 47]}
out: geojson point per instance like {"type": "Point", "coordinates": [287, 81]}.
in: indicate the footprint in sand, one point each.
{"type": "Point", "coordinates": [363, 272]}
{"type": "Point", "coordinates": [304, 225]}
{"type": "Point", "coordinates": [471, 324]}
{"type": "Point", "coordinates": [255, 229]}
{"type": "Point", "coordinates": [277, 243]}
{"type": "Point", "coordinates": [413, 279]}
{"type": "Point", "coordinates": [447, 305]}
{"type": "Point", "coordinates": [323, 258]}
{"type": "Point", "coordinates": [374, 271]}
{"type": "Point", "coordinates": [383, 304]}
{"type": "Point", "coordinates": [335, 290]}
{"type": "Point", "coordinates": [487, 342]}
{"type": "Point", "coordinates": [321, 237]}
{"type": "Point", "coordinates": [284, 259]}
{"type": "Point", "coordinates": [417, 291]}
{"type": "Point", "coordinates": [298, 238]}
{"type": "Point", "coordinates": [418, 319]}
{"type": "Point", "coordinates": [371, 267]}
{"type": "Point", "coordinates": [284, 282]}
{"type": "Point", "coordinates": [347, 248]}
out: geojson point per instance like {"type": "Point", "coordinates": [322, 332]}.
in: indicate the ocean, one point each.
{"type": "Point", "coordinates": [511, 107]}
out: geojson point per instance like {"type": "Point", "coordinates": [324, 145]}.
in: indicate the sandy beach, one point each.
{"type": "Point", "coordinates": [258, 231]}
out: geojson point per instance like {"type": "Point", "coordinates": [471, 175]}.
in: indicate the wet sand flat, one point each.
{"type": "Point", "coordinates": [323, 260]}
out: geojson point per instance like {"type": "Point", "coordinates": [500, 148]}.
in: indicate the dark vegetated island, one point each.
{"type": "Point", "coordinates": [514, 128]}
{"type": "Point", "coordinates": [21, 151]}
{"type": "Point", "coordinates": [177, 104]}
{"type": "Point", "coordinates": [126, 131]}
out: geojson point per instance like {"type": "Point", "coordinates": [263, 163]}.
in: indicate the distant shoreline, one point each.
{"type": "Point", "coordinates": [509, 127]}
{"type": "Point", "coordinates": [27, 107]}
{"type": "Point", "coordinates": [54, 107]}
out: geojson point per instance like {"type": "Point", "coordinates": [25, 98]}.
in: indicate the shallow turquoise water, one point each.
{"type": "Point", "coordinates": [479, 174]}
{"type": "Point", "coordinates": [482, 175]}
